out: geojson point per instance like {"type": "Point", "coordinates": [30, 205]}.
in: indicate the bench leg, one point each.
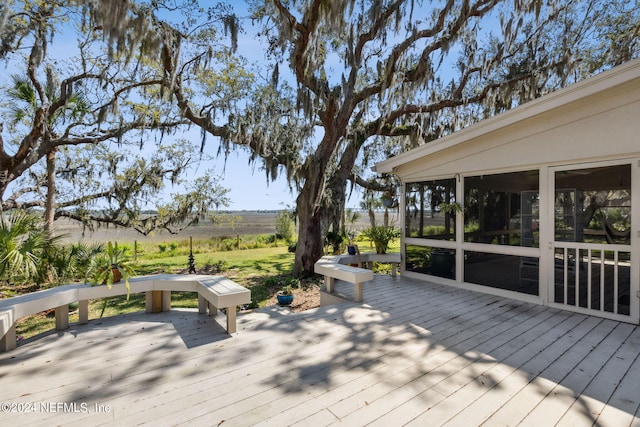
{"type": "Point", "coordinates": [62, 317]}
{"type": "Point", "coordinates": [83, 312]}
{"type": "Point", "coordinates": [394, 269]}
{"type": "Point", "coordinates": [166, 300]}
{"type": "Point", "coordinates": [148, 302]}
{"type": "Point", "coordinates": [154, 301]}
{"type": "Point", "coordinates": [231, 319]}
{"type": "Point", "coordinates": [329, 282]}
{"type": "Point", "coordinates": [8, 341]}
{"type": "Point", "coordinates": [357, 287]}
{"type": "Point", "coordinates": [213, 310]}
{"type": "Point", "coordinates": [202, 304]}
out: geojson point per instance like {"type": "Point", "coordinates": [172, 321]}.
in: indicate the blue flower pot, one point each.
{"type": "Point", "coordinates": [284, 299]}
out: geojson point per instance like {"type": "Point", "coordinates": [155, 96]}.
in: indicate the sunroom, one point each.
{"type": "Point", "coordinates": [538, 204]}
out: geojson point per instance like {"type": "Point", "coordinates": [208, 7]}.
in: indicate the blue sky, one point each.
{"type": "Point", "coordinates": [247, 184]}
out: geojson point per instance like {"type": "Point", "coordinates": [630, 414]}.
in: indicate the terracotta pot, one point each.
{"type": "Point", "coordinates": [117, 275]}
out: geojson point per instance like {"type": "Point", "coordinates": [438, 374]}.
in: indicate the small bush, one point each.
{"type": "Point", "coordinates": [271, 282]}
{"type": "Point", "coordinates": [293, 282]}
{"type": "Point", "coordinates": [227, 245]}
{"type": "Point", "coordinates": [162, 247]}
{"type": "Point", "coordinates": [285, 225]}
{"type": "Point", "coordinates": [221, 266]}
{"type": "Point", "coordinates": [381, 236]}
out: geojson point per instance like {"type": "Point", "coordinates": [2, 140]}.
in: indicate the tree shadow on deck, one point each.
{"type": "Point", "coordinates": [415, 345]}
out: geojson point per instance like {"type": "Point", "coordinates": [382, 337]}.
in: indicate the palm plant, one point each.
{"type": "Point", "coordinates": [109, 267]}
{"type": "Point", "coordinates": [24, 105]}
{"type": "Point", "coordinates": [24, 248]}
{"type": "Point", "coordinates": [72, 262]}
{"type": "Point", "coordinates": [381, 236]}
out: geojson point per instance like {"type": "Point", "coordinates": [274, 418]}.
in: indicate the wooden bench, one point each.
{"type": "Point", "coordinates": [12, 309]}
{"type": "Point", "coordinates": [220, 292]}
{"type": "Point", "coordinates": [331, 270]}
{"type": "Point", "coordinates": [334, 267]}
{"type": "Point", "coordinates": [366, 260]}
{"type": "Point", "coordinates": [217, 292]}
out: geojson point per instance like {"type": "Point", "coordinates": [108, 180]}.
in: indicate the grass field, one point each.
{"type": "Point", "coordinates": [233, 224]}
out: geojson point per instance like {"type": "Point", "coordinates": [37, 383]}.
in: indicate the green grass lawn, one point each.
{"type": "Point", "coordinates": [236, 264]}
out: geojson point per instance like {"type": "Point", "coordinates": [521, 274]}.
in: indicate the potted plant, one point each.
{"type": "Point", "coordinates": [111, 267]}
{"type": "Point", "coordinates": [352, 248]}
{"type": "Point", "coordinates": [381, 236]}
{"type": "Point", "coordinates": [285, 296]}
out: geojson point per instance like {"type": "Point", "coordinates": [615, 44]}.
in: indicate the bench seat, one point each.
{"type": "Point", "coordinates": [216, 291]}
{"type": "Point", "coordinates": [355, 275]}
{"type": "Point", "coordinates": [334, 267]}
{"type": "Point", "coordinates": [220, 292]}
{"type": "Point", "coordinates": [14, 308]}
{"type": "Point", "coordinates": [366, 259]}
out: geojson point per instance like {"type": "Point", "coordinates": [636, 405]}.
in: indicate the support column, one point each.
{"type": "Point", "coordinates": [62, 317]}
{"type": "Point", "coordinates": [154, 302]}
{"type": "Point", "coordinates": [358, 294]}
{"type": "Point", "coordinates": [166, 300]}
{"type": "Point", "coordinates": [213, 310]}
{"type": "Point", "coordinates": [202, 304]}
{"type": "Point", "coordinates": [231, 319]}
{"type": "Point", "coordinates": [329, 283]}
{"type": "Point", "coordinates": [83, 312]}
{"type": "Point", "coordinates": [8, 341]}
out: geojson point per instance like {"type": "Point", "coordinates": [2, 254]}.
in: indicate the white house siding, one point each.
{"type": "Point", "coordinates": [595, 122]}
{"type": "Point", "coordinates": [603, 126]}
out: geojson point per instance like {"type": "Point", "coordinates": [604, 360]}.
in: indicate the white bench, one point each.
{"type": "Point", "coordinates": [333, 267]}
{"type": "Point", "coordinates": [366, 260]}
{"type": "Point", "coordinates": [218, 292]}
{"type": "Point", "coordinates": [14, 308]}
{"type": "Point", "coordinates": [331, 270]}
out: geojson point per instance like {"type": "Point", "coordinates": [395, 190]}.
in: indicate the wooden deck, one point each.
{"type": "Point", "coordinates": [414, 353]}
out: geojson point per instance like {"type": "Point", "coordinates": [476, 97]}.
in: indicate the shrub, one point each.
{"type": "Point", "coordinates": [25, 248]}
{"type": "Point", "coordinates": [381, 236]}
{"type": "Point", "coordinates": [285, 225]}
{"type": "Point", "coordinates": [293, 282]}
{"type": "Point", "coordinates": [72, 262]}
{"type": "Point", "coordinates": [221, 266]}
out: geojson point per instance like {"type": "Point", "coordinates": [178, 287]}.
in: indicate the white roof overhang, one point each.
{"type": "Point", "coordinates": [571, 94]}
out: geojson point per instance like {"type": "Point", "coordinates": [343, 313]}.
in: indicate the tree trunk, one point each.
{"type": "Point", "coordinates": [49, 207]}
{"type": "Point", "coordinates": [335, 210]}
{"type": "Point", "coordinates": [310, 242]}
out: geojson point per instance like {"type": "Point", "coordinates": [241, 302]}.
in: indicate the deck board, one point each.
{"type": "Point", "coordinates": [414, 353]}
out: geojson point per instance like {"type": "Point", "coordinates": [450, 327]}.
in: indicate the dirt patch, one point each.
{"type": "Point", "coordinates": [304, 298]}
